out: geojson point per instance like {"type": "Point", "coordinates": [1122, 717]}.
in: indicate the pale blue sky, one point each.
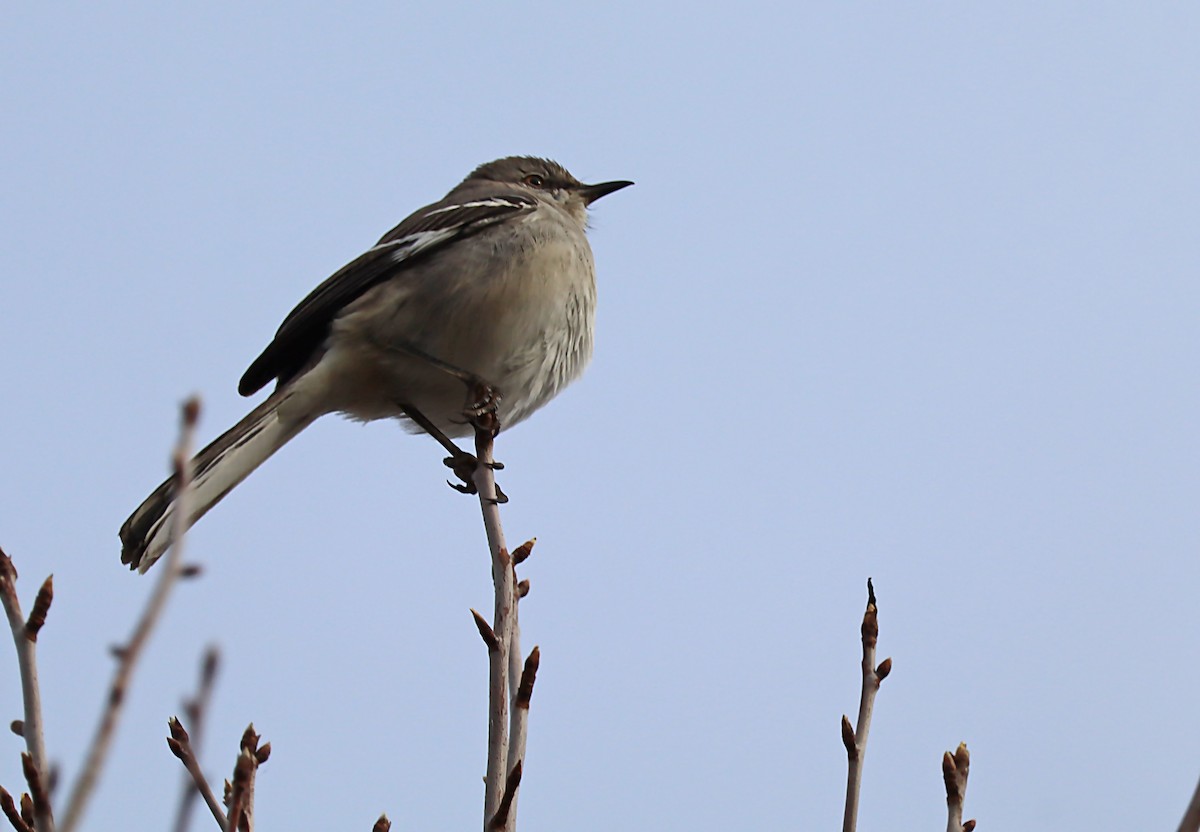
{"type": "Point", "coordinates": [903, 290]}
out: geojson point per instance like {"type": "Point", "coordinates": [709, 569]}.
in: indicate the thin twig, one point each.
{"type": "Point", "coordinates": [25, 639]}
{"type": "Point", "coordinates": [181, 747]}
{"type": "Point", "coordinates": [196, 709]}
{"type": "Point", "coordinates": [955, 768]}
{"type": "Point", "coordinates": [1191, 817]}
{"type": "Point", "coordinates": [503, 623]}
{"type": "Point", "coordinates": [855, 739]}
{"type": "Point", "coordinates": [129, 654]}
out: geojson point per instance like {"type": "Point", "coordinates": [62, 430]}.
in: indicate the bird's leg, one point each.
{"type": "Point", "coordinates": [460, 462]}
{"type": "Point", "coordinates": [483, 398]}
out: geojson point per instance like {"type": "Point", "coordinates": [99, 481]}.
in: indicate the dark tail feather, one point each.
{"type": "Point", "coordinates": [228, 460]}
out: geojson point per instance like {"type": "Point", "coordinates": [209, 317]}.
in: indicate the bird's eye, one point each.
{"type": "Point", "coordinates": [534, 180]}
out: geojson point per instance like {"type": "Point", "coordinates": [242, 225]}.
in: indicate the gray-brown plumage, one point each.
{"type": "Point", "coordinates": [493, 283]}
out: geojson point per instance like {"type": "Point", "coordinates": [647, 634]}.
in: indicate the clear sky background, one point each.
{"type": "Point", "coordinates": [906, 291]}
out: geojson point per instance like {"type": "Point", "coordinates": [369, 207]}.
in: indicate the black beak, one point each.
{"type": "Point", "coordinates": [591, 193]}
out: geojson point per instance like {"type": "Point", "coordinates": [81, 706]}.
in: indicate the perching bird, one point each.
{"type": "Point", "coordinates": [480, 303]}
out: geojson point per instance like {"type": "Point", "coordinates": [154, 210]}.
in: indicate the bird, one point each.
{"type": "Point", "coordinates": [478, 306]}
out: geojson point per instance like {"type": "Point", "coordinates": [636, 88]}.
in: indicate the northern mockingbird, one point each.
{"type": "Point", "coordinates": [487, 297]}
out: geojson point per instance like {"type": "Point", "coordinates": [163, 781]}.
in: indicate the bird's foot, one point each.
{"type": "Point", "coordinates": [483, 400]}
{"type": "Point", "coordinates": [464, 466]}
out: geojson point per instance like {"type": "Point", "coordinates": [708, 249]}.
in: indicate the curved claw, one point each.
{"type": "Point", "coordinates": [482, 400]}
{"type": "Point", "coordinates": [468, 488]}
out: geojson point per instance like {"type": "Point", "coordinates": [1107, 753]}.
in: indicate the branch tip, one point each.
{"type": "Point", "coordinates": [190, 412]}
{"type": "Point", "coordinates": [10, 811]}
{"type": "Point", "coordinates": [522, 552]}
{"type": "Point", "coordinates": [486, 632]}
{"type": "Point", "coordinates": [528, 677]}
{"type": "Point", "coordinates": [41, 606]}
{"type": "Point", "coordinates": [8, 570]}
{"type": "Point", "coordinates": [382, 825]}
{"type": "Point", "coordinates": [27, 810]}
{"type": "Point", "coordinates": [510, 792]}
{"type": "Point", "coordinates": [249, 739]}
{"type": "Point", "coordinates": [848, 737]}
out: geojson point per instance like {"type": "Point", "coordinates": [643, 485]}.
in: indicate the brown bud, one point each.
{"type": "Point", "coordinates": [522, 588]}
{"type": "Point", "coordinates": [249, 738]}
{"type": "Point", "coordinates": [528, 677]}
{"type": "Point", "coordinates": [191, 411]}
{"type": "Point", "coordinates": [848, 738]}
{"type": "Point", "coordinates": [263, 753]}
{"type": "Point", "coordinates": [522, 552]}
{"type": "Point", "coordinates": [486, 632]}
{"type": "Point", "coordinates": [885, 667]}
{"type": "Point", "coordinates": [41, 606]}
{"type": "Point", "coordinates": [18, 727]}
{"type": "Point", "coordinates": [27, 809]}
{"type": "Point", "coordinates": [382, 825]}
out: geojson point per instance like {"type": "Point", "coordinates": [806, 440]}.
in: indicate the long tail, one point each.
{"type": "Point", "coordinates": [216, 470]}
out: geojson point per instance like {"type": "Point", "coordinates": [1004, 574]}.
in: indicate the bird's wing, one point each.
{"type": "Point", "coordinates": [423, 234]}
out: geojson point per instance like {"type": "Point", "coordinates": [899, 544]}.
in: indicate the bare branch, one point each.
{"type": "Point", "coordinates": [25, 640]}
{"type": "Point", "coordinates": [503, 626]}
{"type": "Point", "coordinates": [855, 739]}
{"type": "Point", "coordinates": [955, 768]}
{"type": "Point", "coordinates": [196, 709]}
{"type": "Point", "coordinates": [128, 655]}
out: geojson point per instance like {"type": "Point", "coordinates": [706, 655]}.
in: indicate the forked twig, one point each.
{"type": "Point", "coordinates": [510, 682]}
{"type": "Point", "coordinates": [855, 739]}
{"type": "Point", "coordinates": [181, 746]}
{"type": "Point", "coordinates": [128, 655]}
